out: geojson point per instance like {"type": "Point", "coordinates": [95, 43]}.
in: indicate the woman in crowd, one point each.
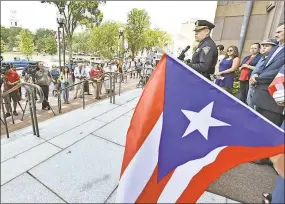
{"type": "Point", "coordinates": [55, 72]}
{"type": "Point", "coordinates": [221, 55]}
{"type": "Point", "coordinates": [247, 66]}
{"type": "Point", "coordinates": [65, 79]}
{"type": "Point", "coordinates": [226, 69]}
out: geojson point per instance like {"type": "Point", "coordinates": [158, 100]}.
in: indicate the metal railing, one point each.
{"type": "Point", "coordinates": [31, 89]}
{"type": "Point", "coordinates": [111, 76]}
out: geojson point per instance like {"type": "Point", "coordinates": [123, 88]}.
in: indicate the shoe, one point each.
{"type": "Point", "coordinates": [67, 102]}
{"type": "Point", "coordinates": [7, 115]}
{"type": "Point", "coordinates": [75, 97]}
{"type": "Point", "coordinates": [15, 113]}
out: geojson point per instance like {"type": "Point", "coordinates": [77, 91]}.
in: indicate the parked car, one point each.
{"type": "Point", "coordinates": [20, 63]}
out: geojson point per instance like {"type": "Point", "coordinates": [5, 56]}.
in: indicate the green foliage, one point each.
{"type": "Point", "coordinates": [156, 37]}
{"type": "Point", "coordinates": [2, 49]}
{"type": "Point", "coordinates": [137, 25]}
{"type": "Point", "coordinates": [40, 39]}
{"type": "Point", "coordinates": [5, 32]}
{"type": "Point", "coordinates": [26, 42]}
{"type": "Point", "coordinates": [81, 42]}
{"type": "Point", "coordinates": [10, 36]}
{"type": "Point", "coordinates": [236, 87]}
{"type": "Point", "coordinates": [104, 39]}
{"type": "Point", "coordinates": [77, 13]}
{"type": "Point", "coordinates": [50, 45]}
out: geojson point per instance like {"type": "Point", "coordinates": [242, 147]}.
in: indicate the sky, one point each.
{"type": "Point", "coordinates": [167, 15]}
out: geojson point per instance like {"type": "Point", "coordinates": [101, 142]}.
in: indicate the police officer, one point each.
{"type": "Point", "coordinates": [205, 57]}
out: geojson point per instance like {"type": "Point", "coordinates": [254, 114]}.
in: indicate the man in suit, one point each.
{"type": "Point", "coordinates": [261, 98]}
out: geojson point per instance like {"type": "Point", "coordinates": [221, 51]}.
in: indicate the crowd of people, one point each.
{"type": "Point", "coordinates": [256, 72]}
{"type": "Point", "coordinates": [68, 78]}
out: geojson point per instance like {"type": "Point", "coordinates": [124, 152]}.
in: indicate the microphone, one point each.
{"type": "Point", "coordinates": [182, 54]}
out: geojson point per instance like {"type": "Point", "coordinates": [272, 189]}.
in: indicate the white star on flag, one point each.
{"type": "Point", "coordinates": [202, 121]}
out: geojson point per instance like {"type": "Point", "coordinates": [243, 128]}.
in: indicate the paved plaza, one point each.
{"type": "Point", "coordinates": [78, 157]}
{"type": "Point", "coordinates": [74, 104]}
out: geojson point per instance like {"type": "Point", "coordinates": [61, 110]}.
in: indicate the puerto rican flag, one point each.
{"type": "Point", "coordinates": [185, 133]}
{"type": "Point", "coordinates": [278, 83]}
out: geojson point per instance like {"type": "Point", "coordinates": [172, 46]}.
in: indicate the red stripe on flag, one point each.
{"type": "Point", "coordinates": [277, 80]}
{"type": "Point", "coordinates": [147, 113]}
{"type": "Point", "coordinates": [153, 189]}
{"type": "Point", "coordinates": [226, 160]}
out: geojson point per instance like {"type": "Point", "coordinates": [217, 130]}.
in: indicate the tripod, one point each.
{"type": "Point", "coordinates": [48, 105]}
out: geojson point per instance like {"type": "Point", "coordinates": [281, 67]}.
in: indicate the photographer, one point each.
{"type": "Point", "coordinates": [43, 79]}
{"type": "Point", "coordinates": [11, 79]}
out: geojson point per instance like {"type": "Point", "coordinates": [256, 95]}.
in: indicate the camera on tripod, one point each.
{"type": "Point", "coordinates": [4, 67]}
{"type": "Point", "coordinates": [32, 68]}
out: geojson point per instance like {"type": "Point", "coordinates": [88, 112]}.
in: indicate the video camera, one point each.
{"type": "Point", "coordinates": [4, 67]}
{"type": "Point", "coordinates": [32, 68]}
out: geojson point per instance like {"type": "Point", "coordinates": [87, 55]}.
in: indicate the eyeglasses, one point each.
{"type": "Point", "coordinates": [230, 51]}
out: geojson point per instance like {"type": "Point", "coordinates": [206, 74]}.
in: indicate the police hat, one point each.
{"type": "Point", "coordinates": [201, 24]}
{"type": "Point", "coordinates": [269, 42]}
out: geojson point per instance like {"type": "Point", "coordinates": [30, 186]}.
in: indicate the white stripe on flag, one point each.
{"type": "Point", "coordinates": [183, 175]}
{"type": "Point", "coordinates": [140, 169]}
{"type": "Point", "coordinates": [279, 87]}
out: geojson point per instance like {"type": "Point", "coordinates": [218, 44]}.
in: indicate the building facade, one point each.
{"type": "Point", "coordinates": [263, 18]}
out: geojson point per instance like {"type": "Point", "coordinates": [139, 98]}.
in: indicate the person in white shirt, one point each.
{"type": "Point", "coordinates": [221, 56]}
{"type": "Point", "coordinates": [80, 74]}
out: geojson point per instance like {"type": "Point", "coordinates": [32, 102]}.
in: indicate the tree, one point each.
{"type": "Point", "coordinates": [2, 47]}
{"type": "Point", "coordinates": [50, 45]}
{"type": "Point", "coordinates": [105, 38]}
{"type": "Point", "coordinates": [26, 42]}
{"type": "Point", "coordinates": [11, 37]}
{"type": "Point", "coordinates": [77, 13]}
{"type": "Point", "coordinates": [41, 36]}
{"type": "Point", "coordinates": [81, 41]}
{"type": "Point", "coordinates": [5, 32]}
{"type": "Point", "coordinates": [137, 24]}
{"type": "Point", "coordinates": [156, 38]}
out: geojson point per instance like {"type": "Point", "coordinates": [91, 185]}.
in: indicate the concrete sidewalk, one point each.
{"type": "Point", "coordinates": [77, 159]}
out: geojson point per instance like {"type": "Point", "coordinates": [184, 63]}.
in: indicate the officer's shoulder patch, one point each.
{"type": "Point", "coordinates": [206, 49]}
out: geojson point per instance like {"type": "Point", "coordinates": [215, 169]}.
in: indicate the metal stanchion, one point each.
{"type": "Point", "coordinates": [4, 117]}
{"type": "Point", "coordinates": [35, 113]}
{"type": "Point", "coordinates": [83, 95]}
{"type": "Point", "coordinates": [59, 100]}
{"type": "Point", "coordinates": [31, 110]}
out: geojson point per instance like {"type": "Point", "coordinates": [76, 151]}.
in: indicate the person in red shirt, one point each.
{"type": "Point", "coordinates": [11, 79]}
{"type": "Point", "coordinates": [95, 73]}
{"type": "Point", "coordinates": [248, 64]}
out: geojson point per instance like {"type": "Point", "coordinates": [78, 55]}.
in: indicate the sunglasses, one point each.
{"type": "Point", "coordinates": [230, 51]}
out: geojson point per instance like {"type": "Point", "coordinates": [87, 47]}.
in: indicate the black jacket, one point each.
{"type": "Point", "coordinates": [205, 57]}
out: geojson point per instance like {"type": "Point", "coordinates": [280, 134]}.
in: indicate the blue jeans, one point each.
{"type": "Point", "coordinates": [65, 92]}
{"type": "Point", "coordinates": [278, 192]}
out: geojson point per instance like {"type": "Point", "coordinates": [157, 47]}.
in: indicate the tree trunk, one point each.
{"type": "Point", "coordinates": [69, 45]}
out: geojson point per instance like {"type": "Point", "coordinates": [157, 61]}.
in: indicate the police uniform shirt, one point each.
{"type": "Point", "coordinates": [205, 57]}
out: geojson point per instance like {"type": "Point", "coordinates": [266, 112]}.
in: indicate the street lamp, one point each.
{"type": "Point", "coordinates": [60, 21]}
{"type": "Point", "coordinates": [121, 34]}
